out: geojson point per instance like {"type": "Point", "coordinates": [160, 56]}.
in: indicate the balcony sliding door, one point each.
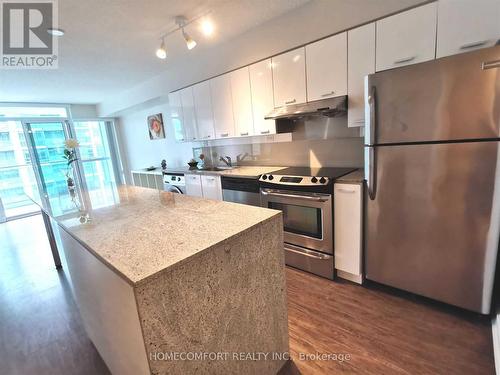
{"type": "Point", "coordinates": [96, 162]}
{"type": "Point", "coordinates": [16, 172]}
{"type": "Point", "coordinates": [47, 146]}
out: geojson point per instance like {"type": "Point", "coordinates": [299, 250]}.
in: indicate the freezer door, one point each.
{"type": "Point", "coordinates": [452, 98]}
{"type": "Point", "coordinates": [432, 224]}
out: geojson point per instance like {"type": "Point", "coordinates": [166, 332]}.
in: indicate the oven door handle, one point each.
{"type": "Point", "coordinates": [308, 254]}
{"type": "Point", "coordinates": [295, 196]}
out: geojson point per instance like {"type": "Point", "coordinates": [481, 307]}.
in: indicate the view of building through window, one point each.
{"type": "Point", "coordinates": [16, 171]}
{"type": "Point", "coordinates": [96, 160]}
{"type": "Point", "coordinates": [20, 178]}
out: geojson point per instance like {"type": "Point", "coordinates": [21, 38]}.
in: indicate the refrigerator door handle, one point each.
{"type": "Point", "coordinates": [371, 115]}
{"type": "Point", "coordinates": [490, 64]}
{"type": "Point", "coordinates": [371, 177]}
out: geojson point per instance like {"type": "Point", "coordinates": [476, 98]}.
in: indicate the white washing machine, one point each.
{"type": "Point", "coordinates": [174, 183]}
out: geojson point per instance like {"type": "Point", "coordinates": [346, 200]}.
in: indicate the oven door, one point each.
{"type": "Point", "coordinates": [307, 217]}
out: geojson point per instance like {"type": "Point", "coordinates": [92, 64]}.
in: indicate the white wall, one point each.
{"type": "Point", "coordinates": [83, 111]}
{"type": "Point", "coordinates": [138, 151]}
{"type": "Point", "coordinates": [312, 21]}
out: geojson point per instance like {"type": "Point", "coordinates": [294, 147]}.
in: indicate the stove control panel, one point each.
{"type": "Point", "coordinates": [294, 180]}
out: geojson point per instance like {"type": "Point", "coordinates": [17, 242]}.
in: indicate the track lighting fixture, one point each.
{"type": "Point", "coordinates": [190, 42]}
{"type": "Point", "coordinates": [161, 52]}
{"type": "Point", "coordinates": [207, 28]}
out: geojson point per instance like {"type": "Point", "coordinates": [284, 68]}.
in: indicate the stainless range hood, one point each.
{"type": "Point", "coordinates": [332, 107]}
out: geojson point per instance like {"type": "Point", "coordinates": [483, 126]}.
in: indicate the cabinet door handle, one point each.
{"type": "Point", "coordinates": [473, 44]}
{"type": "Point", "coordinates": [328, 94]}
{"type": "Point", "coordinates": [291, 101]}
{"type": "Point", "coordinates": [346, 190]}
{"type": "Point", "coordinates": [405, 59]}
{"type": "Point", "coordinates": [490, 64]}
{"type": "Point", "coordinates": [242, 134]}
{"type": "Point", "coordinates": [224, 134]}
{"type": "Point", "coordinates": [265, 132]}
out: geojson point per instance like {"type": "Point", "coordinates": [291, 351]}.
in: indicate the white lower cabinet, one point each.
{"type": "Point", "coordinates": [348, 231]}
{"type": "Point", "coordinates": [206, 186]}
{"type": "Point", "coordinates": [147, 180]}
{"type": "Point", "coordinates": [211, 186]}
{"type": "Point", "coordinates": [193, 185]}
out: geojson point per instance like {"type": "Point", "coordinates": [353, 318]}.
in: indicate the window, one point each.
{"type": "Point", "coordinates": [96, 160]}
{"type": "Point", "coordinates": [45, 140]}
{"type": "Point", "coordinates": [16, 172]}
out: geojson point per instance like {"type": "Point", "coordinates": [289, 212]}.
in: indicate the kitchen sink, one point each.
{"type": "Point", "coordinates": [218, 169]}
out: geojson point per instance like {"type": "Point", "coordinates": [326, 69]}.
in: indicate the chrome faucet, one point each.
{"type": "Point", "coordinates": [240, 158]}
{"type": "Point", "coordinates": [226, 160]}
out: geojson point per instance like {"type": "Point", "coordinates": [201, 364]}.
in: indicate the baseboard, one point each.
{"type": "Point", "coordinates": [358, 279]}
{"type": "Point", "coordinates": [495, 327]}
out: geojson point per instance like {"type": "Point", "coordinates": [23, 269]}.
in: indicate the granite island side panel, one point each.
{"type": "Point", "coordinates": [205, 276]}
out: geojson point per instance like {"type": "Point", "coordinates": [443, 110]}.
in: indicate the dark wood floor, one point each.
{"type": "Point", "coordinates": [382, 332]}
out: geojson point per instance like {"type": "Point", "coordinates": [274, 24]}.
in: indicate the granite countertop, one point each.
{"type": "Point", "coordinates": [156, 171]}
{"type": "Point", "coordinates": [356, 176]}
{"type": "Point", "coordinates": [237, 171]}
{"type": "Point", "coordinates": [149, 231]}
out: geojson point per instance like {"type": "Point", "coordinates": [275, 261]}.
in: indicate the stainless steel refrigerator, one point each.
{"type": "Point", "coordinates": [432, 164]}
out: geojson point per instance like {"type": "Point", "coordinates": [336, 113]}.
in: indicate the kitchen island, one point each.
{"type": "Point", "coordinates": [171, 284]}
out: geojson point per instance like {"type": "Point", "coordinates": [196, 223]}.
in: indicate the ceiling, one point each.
{"type": "Point", "coordinates": [109, 46]}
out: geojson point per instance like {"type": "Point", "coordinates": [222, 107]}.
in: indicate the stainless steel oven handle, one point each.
{"type": "Point", "coordinates": [295, 196]}
{"type": "Point", "coordinates": [308, 254]}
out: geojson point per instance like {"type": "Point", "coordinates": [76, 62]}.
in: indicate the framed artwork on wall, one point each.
{"type": "Point", "coordinates": [155, 126]}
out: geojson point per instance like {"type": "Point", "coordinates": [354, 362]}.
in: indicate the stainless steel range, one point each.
{"type": "Point", "coordinates": [305, 196]}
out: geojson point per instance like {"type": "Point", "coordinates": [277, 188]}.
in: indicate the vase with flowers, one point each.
{"type": "Point", "coordinates": [70, 155]}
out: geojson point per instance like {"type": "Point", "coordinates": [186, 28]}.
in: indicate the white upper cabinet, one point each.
{"type": "Point", "coordinates": [289, 77]}
{"type": "Point", "coordinates": [261, 83]}
{"type": "Point", "coordinates": [222, 105]}
{"type": "Point", "coordinates": [242, 102]}
{"type": "Point", "coordinates": [464, 25]}
{"type": "Point", "coordinates": [203, 109]}
{"type": "Point", "coordinates": [361, 62]}
{"type": "Point", "coordinates": [188, 114]}
{"type": "Point", "coordinates": [175, 105]}
{"type": "Point", "coordinates": [407, 38]}
{"type": "Point", "coordinates": [326, 67]}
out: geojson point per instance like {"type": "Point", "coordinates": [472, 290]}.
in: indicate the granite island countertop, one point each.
{"type": "Point", "coordinates": [150, 231]}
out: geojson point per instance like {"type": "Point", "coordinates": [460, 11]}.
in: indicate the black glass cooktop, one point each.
{"type": "Point", "coordinates": [314, 172]}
